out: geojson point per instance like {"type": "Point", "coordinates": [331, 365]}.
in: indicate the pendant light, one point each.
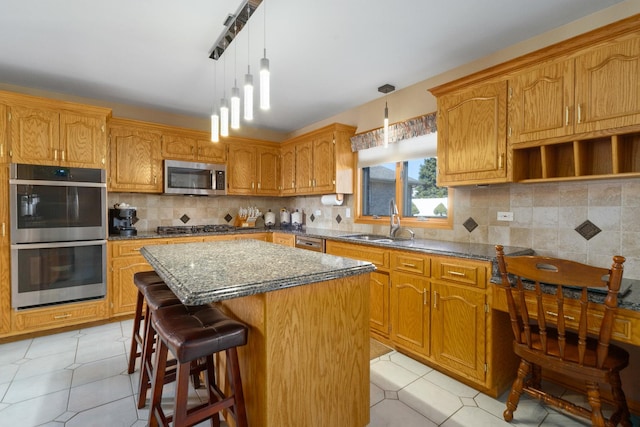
{"type": "Point", "coordinates": [235, 92]}
{"type": "Point", "coordinates": [215, 119]}
{"type": "Point", "coordinates": [248, 78]}
{"type": "Point", "coordinates": [224, 105]}
{"type": "Point", "coordinates": [387, 88]}
{"type": "Point", "coordinates": [265, 102]}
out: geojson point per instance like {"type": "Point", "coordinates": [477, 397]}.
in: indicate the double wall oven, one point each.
{"type": "Point", "coordinates": [58, 234]}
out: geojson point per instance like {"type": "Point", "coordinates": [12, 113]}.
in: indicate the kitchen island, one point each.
{"type": "Point", "coordinates": [307, 358]}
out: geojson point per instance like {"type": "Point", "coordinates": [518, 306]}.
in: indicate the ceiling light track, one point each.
{"type": "Point", "coordinates": [234, 23]}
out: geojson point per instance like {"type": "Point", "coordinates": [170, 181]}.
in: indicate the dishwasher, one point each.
{"type": "Point", "coordinates": [315, 244]}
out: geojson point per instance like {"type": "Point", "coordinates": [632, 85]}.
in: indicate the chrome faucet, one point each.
{"type": "Point", "coordinates": [394, 219]}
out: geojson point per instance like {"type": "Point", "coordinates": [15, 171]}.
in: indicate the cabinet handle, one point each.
{"type": "Point", "coordinates": [62, 316]}
{"type": "Point", "coordinates": [501, 161]}
{"type": "Point", "coordinates": [435, 299]}
{"type": "Point", "coordinates": [455, 273]}
{"type": "Point", "coordinates": [258, 186]}
{"type": "Point", "coordinates": [509, 131]}
{"type": "Point", "coordinates": [3, 229]}
{"type": "Point", "coordinates": [293, 184]}
{"type": "Point", "coordinates": [155, 179]}
{"type": "Point", "coordinates": [1, 150]}
{"type": "Point", "coordinates": [62, 155]}
{"type": "Point", "coordinates": [566, 115]}
{"type": "Point", "coordinates": [102, 128]}
{"type": "Point", "coordinates": [252, 185]}
{"type": "Point", "coordinates": [579, 113]}
{"type": "Point", "coordinates": [406, 264]}
{"type": "Point", "coordinates": [424, 297]}
{"type": "Point", "coordinates": [554, 314]}
{"type": "Point", "coordinates": [55, 154]}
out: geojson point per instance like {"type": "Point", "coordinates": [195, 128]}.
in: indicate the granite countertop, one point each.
{"type": "Point", "coordinates": [199, 273]}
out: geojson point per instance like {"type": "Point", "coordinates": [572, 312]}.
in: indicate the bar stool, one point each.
{"type": "Point", "coordinates": [142, 280]}
{"type": "Point", "coordinates": [191, 335]}
{"type": "Point", "coordinates": [156, 296]}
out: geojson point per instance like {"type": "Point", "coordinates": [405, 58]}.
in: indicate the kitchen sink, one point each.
{"type": "Point", "coordinates": [377, 238]}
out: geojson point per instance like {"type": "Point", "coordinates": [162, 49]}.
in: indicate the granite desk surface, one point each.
{"type": "Point", "coordinates": [200, 273]}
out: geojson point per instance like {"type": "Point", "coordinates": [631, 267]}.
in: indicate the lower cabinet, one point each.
{"type": "Point", "coordinates": [379, 286]}
{"type": "Point", "coordinates": [410, 312]}
{"type": "Point", "coordinates": [40, 319]}
{"type": "Point", "coordinates": [283, 239]}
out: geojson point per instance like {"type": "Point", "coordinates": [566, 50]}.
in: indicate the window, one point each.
{"type": "Point", "coordinates": [410, 182]}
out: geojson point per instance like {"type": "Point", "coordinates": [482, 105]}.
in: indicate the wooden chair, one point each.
{"type": "Point", "coordinates": [548, 339]}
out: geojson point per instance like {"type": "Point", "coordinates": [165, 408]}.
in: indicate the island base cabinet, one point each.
{"type": "Point", "coordinates": [306, 362]}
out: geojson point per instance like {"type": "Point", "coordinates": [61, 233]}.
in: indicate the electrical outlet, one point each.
{"type": "Point", "coordinates": [347, 212]}
{"type": "Point", "coordinates": [318, 213]}
{"type": "Point", "coordinates": [505, 216]}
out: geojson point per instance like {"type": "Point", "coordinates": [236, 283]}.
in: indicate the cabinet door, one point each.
{"type": "Point", "coordinates": [211, 152]}
{"type": "Point", "coordinates": [242, 170]}
{"type": "Point", "coordinates": [284, 239]}
{"type": "Point", "coordinates": [35, 136]}
{"type": "Point", "coordinates": [379, 287]}
{"type": "Point", "coordinates": [83, 141]}
{"type": "Point", "coordinates": [324, 164]}
{"type": "Point", "coordinates": [410, 312]}
{"type": "Point", "coordinates": [5, 273]}
{"type": "Point", "coordinates": [304, 168]}
{"type": "Point", "coordinates": [123, 292]}
{"type": "Point", "coordinates": [135, 163]}
{"type": "Point", "coordinates": [268, 171]}
{"type": "Point", "coordinates": [472, 141]}
{"type": "Point", "coordinates": [4, 134]}
{"type": "Point", "coordinates": [288, 169]}
{"type": "Point", "coordinates": [607, 89]}
{"type": "Point", "coordinates": [178, 147]}
{"type": "Point", "coordinates": [458, 334]}
{"type": "Point", "coordinates": [541, 102]}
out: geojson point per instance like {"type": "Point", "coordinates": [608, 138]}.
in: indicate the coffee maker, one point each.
{"type": "Point", "coordinates": [121, 221]}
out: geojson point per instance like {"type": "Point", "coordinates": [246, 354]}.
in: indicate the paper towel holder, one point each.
{"type": "Point", "coordinates": [332, 199]}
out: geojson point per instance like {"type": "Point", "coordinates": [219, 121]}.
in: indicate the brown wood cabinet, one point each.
{"type": "Point", "coordinates": [288, 169]}
{"type": "Point", "coordinates": [283, 239]}
{"type": "Point", "coordinates": [472, 135]}
{"type": "Point", "coordinates": [192, 146]}
{"type": "Point", "coordinates": [4, 134]}
{"type": "Point", "coordinates": [323, 162]}
{"type": "Point", "coordinates": [5, 241]}
{"type": "Point", "coordinates": [135, 162]}
{"type": "Point", "coordinates": [253, 169]}
{"type": "Point", "coordinates": [49, 132]}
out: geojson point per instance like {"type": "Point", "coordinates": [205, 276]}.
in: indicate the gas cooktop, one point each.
{"type": "Point", "coordinates": [195, 229]}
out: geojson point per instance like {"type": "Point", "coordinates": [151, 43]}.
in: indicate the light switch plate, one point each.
{"type": "Point", "coordinates": [347, 213]}
{"type": "Point", "coordinates": [505, 216]}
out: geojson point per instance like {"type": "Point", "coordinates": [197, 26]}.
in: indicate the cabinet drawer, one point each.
{"type": "Point", "coordinates": [284, 239]}
{"type": "Point", "coordinates": [461, 272]}
{"type": "Point", "coordinates": [41, 319]}
{"type": "Point", "coordinates": [380, 258]}
{"type": "Point", "coordinates": [411, 263]}
{"type": "Point", "coordinates": [131, 248]}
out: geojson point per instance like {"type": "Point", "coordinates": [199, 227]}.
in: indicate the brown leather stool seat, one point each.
{"type": "Point", "coordinates": [191, 334]}
{"type": "Point", "coordinates": [142, 280]}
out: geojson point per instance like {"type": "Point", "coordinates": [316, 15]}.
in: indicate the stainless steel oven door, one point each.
{"type": "Point", "coordinates": [50, 273]}
{"type": "Point", "coordinates": [52, 204]}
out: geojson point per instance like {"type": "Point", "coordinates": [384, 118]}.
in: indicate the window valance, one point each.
{"type": "Point", "coordinates": [399, 131]}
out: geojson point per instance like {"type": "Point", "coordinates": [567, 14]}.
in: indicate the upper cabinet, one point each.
{"type": "Point", "coordinates": [319, 162]}
{"type": "Point", "coordinates": [573, 112]}
{"type": "Point", "coordinates": [607, 87]}
{"type": "Point", "coordinates": [472, 139]}
{"type": "Point", "coordinates": [193, 146]}
{"type": "Point", "coordinates": [48, 132]}
{"type": "Point", "coordinates": [253, 169]}
{"type": "Point", "coordinates": [4, 134]}
{"type": "Point", "coordinates": [135, 162]}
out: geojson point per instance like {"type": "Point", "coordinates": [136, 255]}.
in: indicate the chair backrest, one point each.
{"type": "Point", "coordinates": [531, 274]}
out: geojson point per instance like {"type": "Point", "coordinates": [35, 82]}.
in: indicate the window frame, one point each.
{"type": "Point", "coordinates": [410, 222]}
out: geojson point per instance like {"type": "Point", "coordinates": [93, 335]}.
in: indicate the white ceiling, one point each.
{"type": "Point", "coordinates": [326, 56]}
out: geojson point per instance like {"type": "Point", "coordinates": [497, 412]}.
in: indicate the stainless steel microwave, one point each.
{"type": "Point", "coordinates": [191, 178]}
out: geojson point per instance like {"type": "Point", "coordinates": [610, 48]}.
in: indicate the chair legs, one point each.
{"type": "Point", "coordinates": [516, 390]}
{"type": "Point", "coordinates": [136, 336]}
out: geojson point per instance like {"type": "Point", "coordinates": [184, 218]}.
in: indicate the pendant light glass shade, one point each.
{"type": "Point", "coordinates": [386, 124]}
{"type": "Point", "coordinates": [265, 102]}
{"type": "Point", "coordinates": [248, 95]}
{"type": "Point", "coordinates": [215, 127]}
{"type": "Point", "coordinates": [235, 107]}
{"type": "Point", "coordinates": [224, 117]}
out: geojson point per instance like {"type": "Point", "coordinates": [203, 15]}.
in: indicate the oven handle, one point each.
{"type": "Point", "coordinates": [57, 183]}
{"type": "Point", "coordinates": [58, 244]}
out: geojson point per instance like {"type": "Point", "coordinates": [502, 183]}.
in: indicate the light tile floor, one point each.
{"type": "Point", "coordinates": [79, 379]}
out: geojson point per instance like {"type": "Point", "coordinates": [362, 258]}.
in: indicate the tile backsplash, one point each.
{"type": "Point", "coordinates": [545, 217]}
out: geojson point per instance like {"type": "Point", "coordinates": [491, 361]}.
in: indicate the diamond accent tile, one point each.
{"type": "Point", "coordinates": [338, 218]}
{"type": "Point", "coordinates": [134, 220]}
{"type": "Point", "coordinates": [470, 224]}
{"type": "Point", "coordinates": [185, 218]}
{"type": "Point", "coordinates": [312, 217]}
{"type": "Point", "coordinates": [228, 217]}
{"type": "Point", "coordinates": [588, 229]}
